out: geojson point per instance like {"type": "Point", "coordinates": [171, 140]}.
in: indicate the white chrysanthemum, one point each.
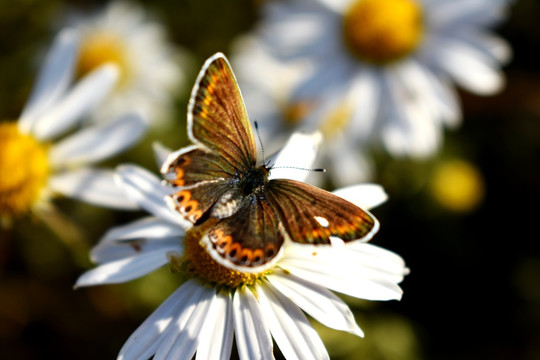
{"type": "Point", "coordinates": [383, 69]}
{"type": "Point", "coordinates": [202, 315]}
{"type": "Point", "coordinates": [35, 164]}
{"type": "Point", "coordinates": [149, 65]}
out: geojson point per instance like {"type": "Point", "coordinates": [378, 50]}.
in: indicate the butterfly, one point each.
{"type": "Point", "coordinates": [217, 181]}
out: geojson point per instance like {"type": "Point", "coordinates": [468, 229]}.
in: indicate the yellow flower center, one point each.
{"type": "Point", "coordinates": [24, 170]}
{"type": "Point", "coordinates": [383, 31]}
{"type": "Point", "coordinates": [99, 48]}
{"type": "Point", "coordinates": [196, 261]}
{"type": "Point", "coordinates": [457, 185]}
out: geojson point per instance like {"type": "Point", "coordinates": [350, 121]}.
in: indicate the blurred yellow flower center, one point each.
{"type": "Point", "coordinates": [294, 113]}
{"type": "Point", "coordinates": [24, 170]}
{"type": "Point", "coordinates": [100, 48]}
{"type": "Point", "coordinates": [198, 262]}
{"type": "Point", "coordinates": [383, 31]}
{"type": "Point", "coordinates": [337, 120]}
{"type": "Point", "coordinates": [458, 186]}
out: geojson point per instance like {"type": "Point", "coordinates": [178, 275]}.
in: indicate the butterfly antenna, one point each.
{"type": "Point", "coordinates": [260, 141]}
{"type": "Point", "coordinates": [300, 168]}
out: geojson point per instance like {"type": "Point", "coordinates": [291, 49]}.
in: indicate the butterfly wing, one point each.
{"type": "Point", "coordinates": [217, 117]}
{"type": "Point", "coordinates": [250, 238]}
{"type": "Point", "coordinates": [224, 145]}
{"type": "Point", "coordinates": [311, 215]}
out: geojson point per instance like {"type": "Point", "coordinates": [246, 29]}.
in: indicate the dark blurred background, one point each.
{"type": "Point", "coordinates": [474, 287]}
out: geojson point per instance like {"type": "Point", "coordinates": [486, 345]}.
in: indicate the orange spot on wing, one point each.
{"type": "Point", "coordinates": [179, 181]}
{"type": "Point", "coordinates": [257, 256]}
{"type": "Point", "coordinates": [234, 250]}
{"type": "Point", "coordinates": [182, 197]}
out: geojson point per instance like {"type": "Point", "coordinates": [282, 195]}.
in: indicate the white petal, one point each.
{"type": "Point", "coordinates": [148, 192]}
{"type": "Point", "coordinates": [364, 95]}
{"type": "Point", "coordinates": [410, 128]}
{"type": "Point", "coordinates": [144, 342]}
{"type": "Point", "coordinates": [99, 142]}
{"type": "Point", "coordinates": [289, 326]}
{"type": "Point", "coordinates": [106, 252]}
{"type": "Point", "coordinates": [94, 186]}
{"type": "Point", "coordinates": [252, 334]}
{"type": "Point", "coordinates": [326, 79]}
{"type": "Point", "coordinates": [492, 45]}
{"type": "Point", "coordinates": [126, 269]}
{"type": "Point", "coordinates": [339, 6]}
{"type": "Point", "coordinates": [182, 337]}
{"type": "Point", "coordinates": [429, 90]}
{"type": "Point", "coordinates": [53, 79]}
{"type": "Point", "coordinates": [366, 196]}
{"type": "Point", "coordinates": [147, 234]}
{"type": "Point", "coordinates": [459, 12]}
{"type": "Point", "coordinates": [296, 156]}
{"type": "Point", "coordinates": [293, 29]}
{"type": "Point", "coordinates": [446, 98]}
{"type": "Point", "coordinates": [161, 153]}
{"type": "Point", "coordinates": [317, 301]}
{"type": "Point", "coordinates": [144, 228]}
{"type": "Point", "coordinates": [77, 103]}
{"type": "Point", "coordinates": [367, 272]}
{"type": "Point", "coordinates": [346, 163]}
{"type": "Point", "coordinates": [470, 68]}
{"type": "Point", "coordinates": [216, 338]}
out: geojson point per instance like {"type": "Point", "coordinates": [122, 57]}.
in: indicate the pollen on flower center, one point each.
{"type": "Point", "coordinates": [100, 48]}
{"type": "Point", "coordinates": [24, 170]}
{"type": "Point", "coordinates": [383, 31]}
{"type": "Point", "coordinates": [197, 261]}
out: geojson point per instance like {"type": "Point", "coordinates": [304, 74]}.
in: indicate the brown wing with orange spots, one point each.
{"type": "Point", "coordinates": [249, 238]}
{"type": "Point", "coordinates": [311, 215]}
{"type": "Point", "coordinates": [192, 165]}
{"type": "Point", "coordinates": [202, 180]}
{"type": "Point", "coordinates": [217, 117]}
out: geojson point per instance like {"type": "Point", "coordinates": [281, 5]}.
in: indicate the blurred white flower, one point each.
{"type": "Point", "coordinates": [202, 315]}
{"type": "Point", "coordinates": [150, 74]}
{"type": "Point", "coordinates": [378, 71]}
{"type": "Point", "coordinates": [36, 165]}
{"type": "Point", "coordinates": [268, 87]}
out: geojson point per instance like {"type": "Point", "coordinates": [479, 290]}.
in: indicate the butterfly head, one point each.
{"type": "Point", "coordinates": [254, 180]}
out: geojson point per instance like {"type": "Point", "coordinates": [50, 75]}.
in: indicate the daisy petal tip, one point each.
{"type": "Point", "coordinates": [358, 332]}
{"type": "Point", "coordinates": [161, 152]}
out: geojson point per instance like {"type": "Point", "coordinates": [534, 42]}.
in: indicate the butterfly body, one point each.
{"type": "Point", "coordinates": [247, 215]}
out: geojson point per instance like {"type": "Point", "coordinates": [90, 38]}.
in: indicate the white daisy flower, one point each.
{"type": "Point", "coordinates": [202, 315]}
{"type": "Point", "coordinates": [385, 69]}
{"type": "Point", "coordinates": [123, 34]}
{"type": "Point", "coordinates": [36, 165]}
